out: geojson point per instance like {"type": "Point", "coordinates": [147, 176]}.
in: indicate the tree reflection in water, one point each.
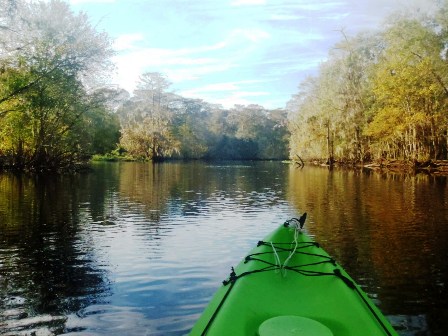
{"type": "Point", "coordinates": [46, 271]}
{"type": "Point", "coordinates": [136, 248]}
{"type": "Point", "coordinates": [385, 228]}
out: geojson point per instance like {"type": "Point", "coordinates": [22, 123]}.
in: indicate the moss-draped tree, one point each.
{"type": "Point", "coordinates": [382, 95]}
{"type": "Point", "coordinates": [50, 62]}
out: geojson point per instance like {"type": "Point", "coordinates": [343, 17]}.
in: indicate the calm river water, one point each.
{"type": "Point", "coordinates": [139, 249]}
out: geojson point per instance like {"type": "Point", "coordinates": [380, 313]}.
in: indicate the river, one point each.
{"type": "Point", "coordinates": [139, 249]}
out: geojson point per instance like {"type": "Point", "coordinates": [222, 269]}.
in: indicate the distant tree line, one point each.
{"type": "Point", "coordinates": [380, 95]}
{"type": "Point", "coordinates": [157, 124]}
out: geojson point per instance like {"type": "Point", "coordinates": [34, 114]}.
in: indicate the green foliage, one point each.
{"type": "Point", "coordinates": [191, 145]}
{"type": "Point", "coordinates": [103, 130]}
{"type": "Point", "coordinates": [227, 148]}
{"type": "Point", "coordinates": [48, 118]}
{"type": "Point", "coordinates": [157, 124]}
{"type": "Point", "coordinates": [378, 96]}
{"type": "Point", "coordinates": [146, 120]}
{"type": "Point", "coordinates": [408, 84]}
{"type": "Point", "coordinates": [53, 117]}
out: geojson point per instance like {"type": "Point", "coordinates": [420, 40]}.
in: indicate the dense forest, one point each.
{"type": "Point", "coordinates": [157, 124]}
{"type": "Point", "coordinates": [56, 109]}
{"type": "Point", "coordinates": [53, 108]}
{"type": "Point", "coordinates": [379, 96]}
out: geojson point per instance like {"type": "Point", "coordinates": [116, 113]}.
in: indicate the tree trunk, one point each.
{"type": "Point", "coordinates": [329, 146]}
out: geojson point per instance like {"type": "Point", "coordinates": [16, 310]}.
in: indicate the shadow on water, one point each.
{"type": "Point", "coordinates": [387, 229]}
{"type": "Point", "coordinates": [46, 271]}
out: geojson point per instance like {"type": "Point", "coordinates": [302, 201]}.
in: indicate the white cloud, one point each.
{"type": "Point", "coordinates": [184, 64]}
{"type": "Point", "coordinates": [78, 2]}
{"type": "Point", "coordinates": [286, 17]}
{"type": "Point", "coordinates": [200, 71]}
{"type": "Point", "coordinates": [127, 41]}
{"type": "Point", "coordinates": [134, 58]}
{"type": "Point", "coordinates": [179, 65]}
{"type": "Point", "coordinates": [247, 2]}
{"type": "Point", "coordinates": [240, 97]}
{"type": "Point", "coordinates": [228, 93]}
{"type": "Point", "coordinates": [219, 87]}
{"type": "Point", "coordinates": [322, 6]}
{"type": "Point", "coordinates": [251, 34]}
{"type": "Point", "coordinates": [335, 16]}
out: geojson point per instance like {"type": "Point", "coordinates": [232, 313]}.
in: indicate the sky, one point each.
{"type": "Point", "coordinates": [232, 51]}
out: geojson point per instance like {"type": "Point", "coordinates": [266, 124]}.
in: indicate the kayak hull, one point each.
{"type": "Point", "coordinates": [288, 274]}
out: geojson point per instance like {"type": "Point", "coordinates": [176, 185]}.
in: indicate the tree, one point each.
{"type": "Point", "coordinates": [273, 139]}
{"type": "Point", "coordinates": [101, 126]}
{"type": "Point", "coordinates": [330, 112]}
{"type": "Point", "coordinates": [410, 90]}
{"type": "Point", "coordinates": [51, 60]}
{"type": "Point", "coordinates": [381, 95]}
{"type": "Point", "coordinates": [44, 37]}
{"type": "Point", "coordinates": [308, 124]}
{"type": "Point", "coordinates": [146, 126]}
{"type": "Point", "coordinates": [352, 59]}
{"type": "Point", "coordinates": [190, 127]}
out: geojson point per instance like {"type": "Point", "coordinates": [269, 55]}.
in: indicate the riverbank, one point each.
{"type": "Point", "coordinates": [439, 167]}
{"type": "Point", "coordinates": [430, 166]}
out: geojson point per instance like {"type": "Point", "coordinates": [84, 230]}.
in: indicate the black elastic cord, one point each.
{"type": "Point", "coordinates": [233, 277]}
{"type": "Point", "coordinates": [215, 313]}
{"type": "Point", "coordinates": [347, 281]}
{"type": "Point", "coordinates": [372, 311]}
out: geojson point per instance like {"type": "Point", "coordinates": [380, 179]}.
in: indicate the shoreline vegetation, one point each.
{"type": "Point", "coordinates": [433, 167]}
{"type": "Point", "coordinates": [438, 167]}
{"type": "Point", "coordinates": [379, 101]}
{"type": "Point", "coordinates": [380, 98]}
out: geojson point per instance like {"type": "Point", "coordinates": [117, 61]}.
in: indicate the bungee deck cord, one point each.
{"type": "Point", "coordinates": [292, 249]}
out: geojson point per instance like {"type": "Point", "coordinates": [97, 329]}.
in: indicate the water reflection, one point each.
{"type": "Point", "coordinates": [390, 233]}
{"type": "Point", "coordinates": [104, 252]}
{"type": "Point", "coordinates": [139, 249]}
{"type": "Point", "coordinates": [175, 188]}
{"type": "Point", "coordinates": [46, 269]}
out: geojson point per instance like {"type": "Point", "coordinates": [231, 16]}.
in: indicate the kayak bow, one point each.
{"type": "Point", "coordinates": [288, 285]}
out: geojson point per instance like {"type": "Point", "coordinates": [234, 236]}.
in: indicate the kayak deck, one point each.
{"type": "Point", "coordinates": [288, 274]}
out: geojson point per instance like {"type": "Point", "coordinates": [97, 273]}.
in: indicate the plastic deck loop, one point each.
{"type": "Point", "coordinates": [293, 326]}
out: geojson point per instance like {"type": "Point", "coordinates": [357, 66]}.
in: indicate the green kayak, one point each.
{"type": "Point", "coordinates": [289, 286]}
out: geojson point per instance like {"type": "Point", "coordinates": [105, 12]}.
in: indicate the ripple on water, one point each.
{"type": "Point", "coordinates": [124, 320]}
{"type": "Point", "coordinates": [140, 249]}
{"type": "Point", "coordinates": [13, 324]}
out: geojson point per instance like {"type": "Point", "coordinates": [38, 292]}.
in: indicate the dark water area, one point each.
{"type": "Point", "coordinates": [139, 249]}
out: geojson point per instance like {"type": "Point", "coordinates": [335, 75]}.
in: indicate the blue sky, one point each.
{"type": "Point", "coordinates": [231, 51]}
